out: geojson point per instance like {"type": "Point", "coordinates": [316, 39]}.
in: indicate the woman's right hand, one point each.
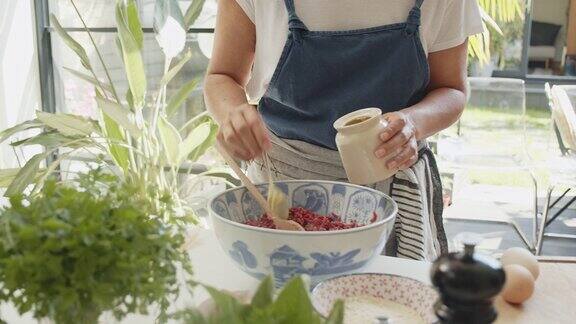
{"type": "Point", "coordinates": [243, 133]}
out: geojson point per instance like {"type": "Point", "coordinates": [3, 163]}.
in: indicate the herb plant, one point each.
{"type": "Point", "coordinates": [291, 306]}
{"type": "Point", "coordinates": [71, 253]}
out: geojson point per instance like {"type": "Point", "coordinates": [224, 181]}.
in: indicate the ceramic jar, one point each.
{"type": "Point", "coordinates": [357, 140]}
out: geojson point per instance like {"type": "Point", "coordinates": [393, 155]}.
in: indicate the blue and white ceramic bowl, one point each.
{"type": "Point", "coordinates": [321, 255]}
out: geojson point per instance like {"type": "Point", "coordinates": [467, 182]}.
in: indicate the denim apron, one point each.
{"type": "Point", "coordinates": [323, 75]}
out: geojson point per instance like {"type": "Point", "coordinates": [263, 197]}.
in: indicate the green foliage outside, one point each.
{"type": "Point", "coordinates": [504, 23]}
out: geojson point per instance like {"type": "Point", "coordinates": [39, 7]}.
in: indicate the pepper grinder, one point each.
{"type": "Point", "coordinates": [467, 283]}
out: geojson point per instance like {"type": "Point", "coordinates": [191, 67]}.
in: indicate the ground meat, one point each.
{"type": "Point", "coordinates": [309, 220]}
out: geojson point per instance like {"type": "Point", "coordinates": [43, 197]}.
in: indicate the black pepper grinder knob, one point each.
{"type": "Point", "coordinates": [467, 283]}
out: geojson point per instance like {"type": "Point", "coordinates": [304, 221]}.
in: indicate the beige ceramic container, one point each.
{"type": "Point", "coordinates": [357, 139]}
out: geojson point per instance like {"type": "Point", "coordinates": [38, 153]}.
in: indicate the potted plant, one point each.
{"type": "Point", "coordinates": [133, 135]}
{"type": "Point", "coordinates": [71, 252]}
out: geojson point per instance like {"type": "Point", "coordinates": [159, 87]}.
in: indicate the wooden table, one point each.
{"type": "Point", "coordinates": [554, 301]}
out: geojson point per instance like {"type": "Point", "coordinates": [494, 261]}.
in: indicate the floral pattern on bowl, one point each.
{"type": "Point", "coordinates": [405, 291]}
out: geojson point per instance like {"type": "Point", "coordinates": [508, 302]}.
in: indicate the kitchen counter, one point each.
{"type": "Point", "coordinates": [554, 300]}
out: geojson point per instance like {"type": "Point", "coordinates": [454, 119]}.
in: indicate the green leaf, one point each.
{"type": "Point", "coordinates": [490, 22]}
{"type": "Point", "coordinates": [129, 99]}
{"type": "Point", "coordinates": [134, 23]}
{"type": "Point", "coordinates": [337, 313]}
{"type": "Point", "coordinates": [8, 175]}
{"type": "Point", "coordinates": [197, 137]}
{"type": "Point", "coordinates": [113, 132]}
{"type": "Point", "coordinates": [25, 176]}
{"type": "Point", "coordinates": [262, 316]}
{"type": "Point", "coordinates": [71, 43]}
{"type": "Point", "coordinates": [193, 12]}
{"type": "Point", "coordinates": [171, 141]}
{"type": "Point", "coordinates": [223, 172]}
{"type": "Point", "coordinates": [208, 143]}
{"type": "Point", "coordinates": [119, 48]}
{"type": "Point", "coordinates": [264, 296]}
{"type": "Point", "coordinates": [54, 139]}
{"type": "Point", "coordinates": [90, 79]}
{"type": "Point", "coordinates": [67, 124]}
{"type": "Point", "coordinates": [174, 70]}
{"type": "Point", "coordinates": [132, 57]}
{"type": "Point", "coordinates": [180, 96]}
{"type": "Point", "coordinates": [228, 309]}
{"type": "Point", "coordinates": [30, 124]}
{"type": "Point", "coordinates": [120, 115]}
{"type": "Point", "coordinates": [293, 304]}
{"type": "Point", "coordinates": [50, 169]}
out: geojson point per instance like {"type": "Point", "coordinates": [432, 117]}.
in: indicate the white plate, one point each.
{"type": "Point", "coordinates": [405, 291]}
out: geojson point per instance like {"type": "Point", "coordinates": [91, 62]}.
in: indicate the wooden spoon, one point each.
{"type": "Point", "coordinates": [277, 200]}
{"type": "Point", "coordinates": [281, 224]}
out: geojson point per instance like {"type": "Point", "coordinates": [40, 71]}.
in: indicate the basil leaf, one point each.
{"type": "Point", "coordinates": [293, 304]}
{"type": "Point", "coordinates": [264, 296]}
{"type": "Point", "coordinates": [337, 313]}
{"type": "Point", "coordinates": [228, 309]}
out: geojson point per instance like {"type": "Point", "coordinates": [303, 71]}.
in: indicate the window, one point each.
{"type": "Point", "coordinates": [552, 47]}
{"type": "Point", "coordinates": [75, 95]}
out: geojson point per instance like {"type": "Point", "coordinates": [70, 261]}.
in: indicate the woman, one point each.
{"type": "Point", "coordinates": [283, 71]}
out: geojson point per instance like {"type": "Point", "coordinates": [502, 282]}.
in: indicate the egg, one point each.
{"type": "Point", "coordinates": [519, 284]}
{"type": "Point", "coordinates": [521, 257]}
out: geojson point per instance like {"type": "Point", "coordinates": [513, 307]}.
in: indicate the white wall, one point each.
{"type": "Point", "coordinates": [550, 11]}
{"type": "Point", "coordinates": [19, 78]}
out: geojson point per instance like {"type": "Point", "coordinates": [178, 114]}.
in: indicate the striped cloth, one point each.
{"type": "Point", "coordinates": [419, 233]}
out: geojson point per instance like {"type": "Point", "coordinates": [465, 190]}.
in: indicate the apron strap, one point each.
{"type": "Point", "coordinates": [294, 22]}
{"type": "Point", "coordinates": [413, 21]}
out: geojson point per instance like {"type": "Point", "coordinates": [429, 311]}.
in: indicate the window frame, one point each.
{"type": "Point", "coordinates": [522, 72]}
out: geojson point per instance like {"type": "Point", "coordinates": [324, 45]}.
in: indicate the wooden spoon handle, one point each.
{"type": "Point", "coordinates": [245, 180]}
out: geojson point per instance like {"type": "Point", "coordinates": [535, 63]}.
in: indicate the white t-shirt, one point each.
{"type": "Point", "coordinates": [445, 24]}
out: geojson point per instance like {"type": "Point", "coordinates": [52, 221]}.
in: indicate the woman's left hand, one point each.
{"type": "Point", "coordinates": [399, 147]}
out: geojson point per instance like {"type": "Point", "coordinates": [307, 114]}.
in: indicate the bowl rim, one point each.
{"type": "Point", "coordinates": [307, 233]}
{"type": "Point", "coordinates": [319, 285]}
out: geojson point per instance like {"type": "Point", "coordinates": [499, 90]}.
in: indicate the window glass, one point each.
{"type": "Point", "coordinates": [100, 13]}
{"type": "Point", "coordinates": [77, 96]}
{"type": "Point", "coordinates": [552, 48]}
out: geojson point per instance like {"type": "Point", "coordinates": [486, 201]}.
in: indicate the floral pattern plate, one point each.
{"type": "Point", "coordinates": [405, 291]}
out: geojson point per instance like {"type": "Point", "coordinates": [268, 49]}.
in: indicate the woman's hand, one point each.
{"type": "Point", "coordinates": [399, 147]}
{"type": "Point", "coordinates": [243, 133]}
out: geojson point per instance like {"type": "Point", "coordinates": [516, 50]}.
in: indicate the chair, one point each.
{"type": "Point", "coordinates": [562, 161]}
{"type": "Point", "coordinates": [470, 146]}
